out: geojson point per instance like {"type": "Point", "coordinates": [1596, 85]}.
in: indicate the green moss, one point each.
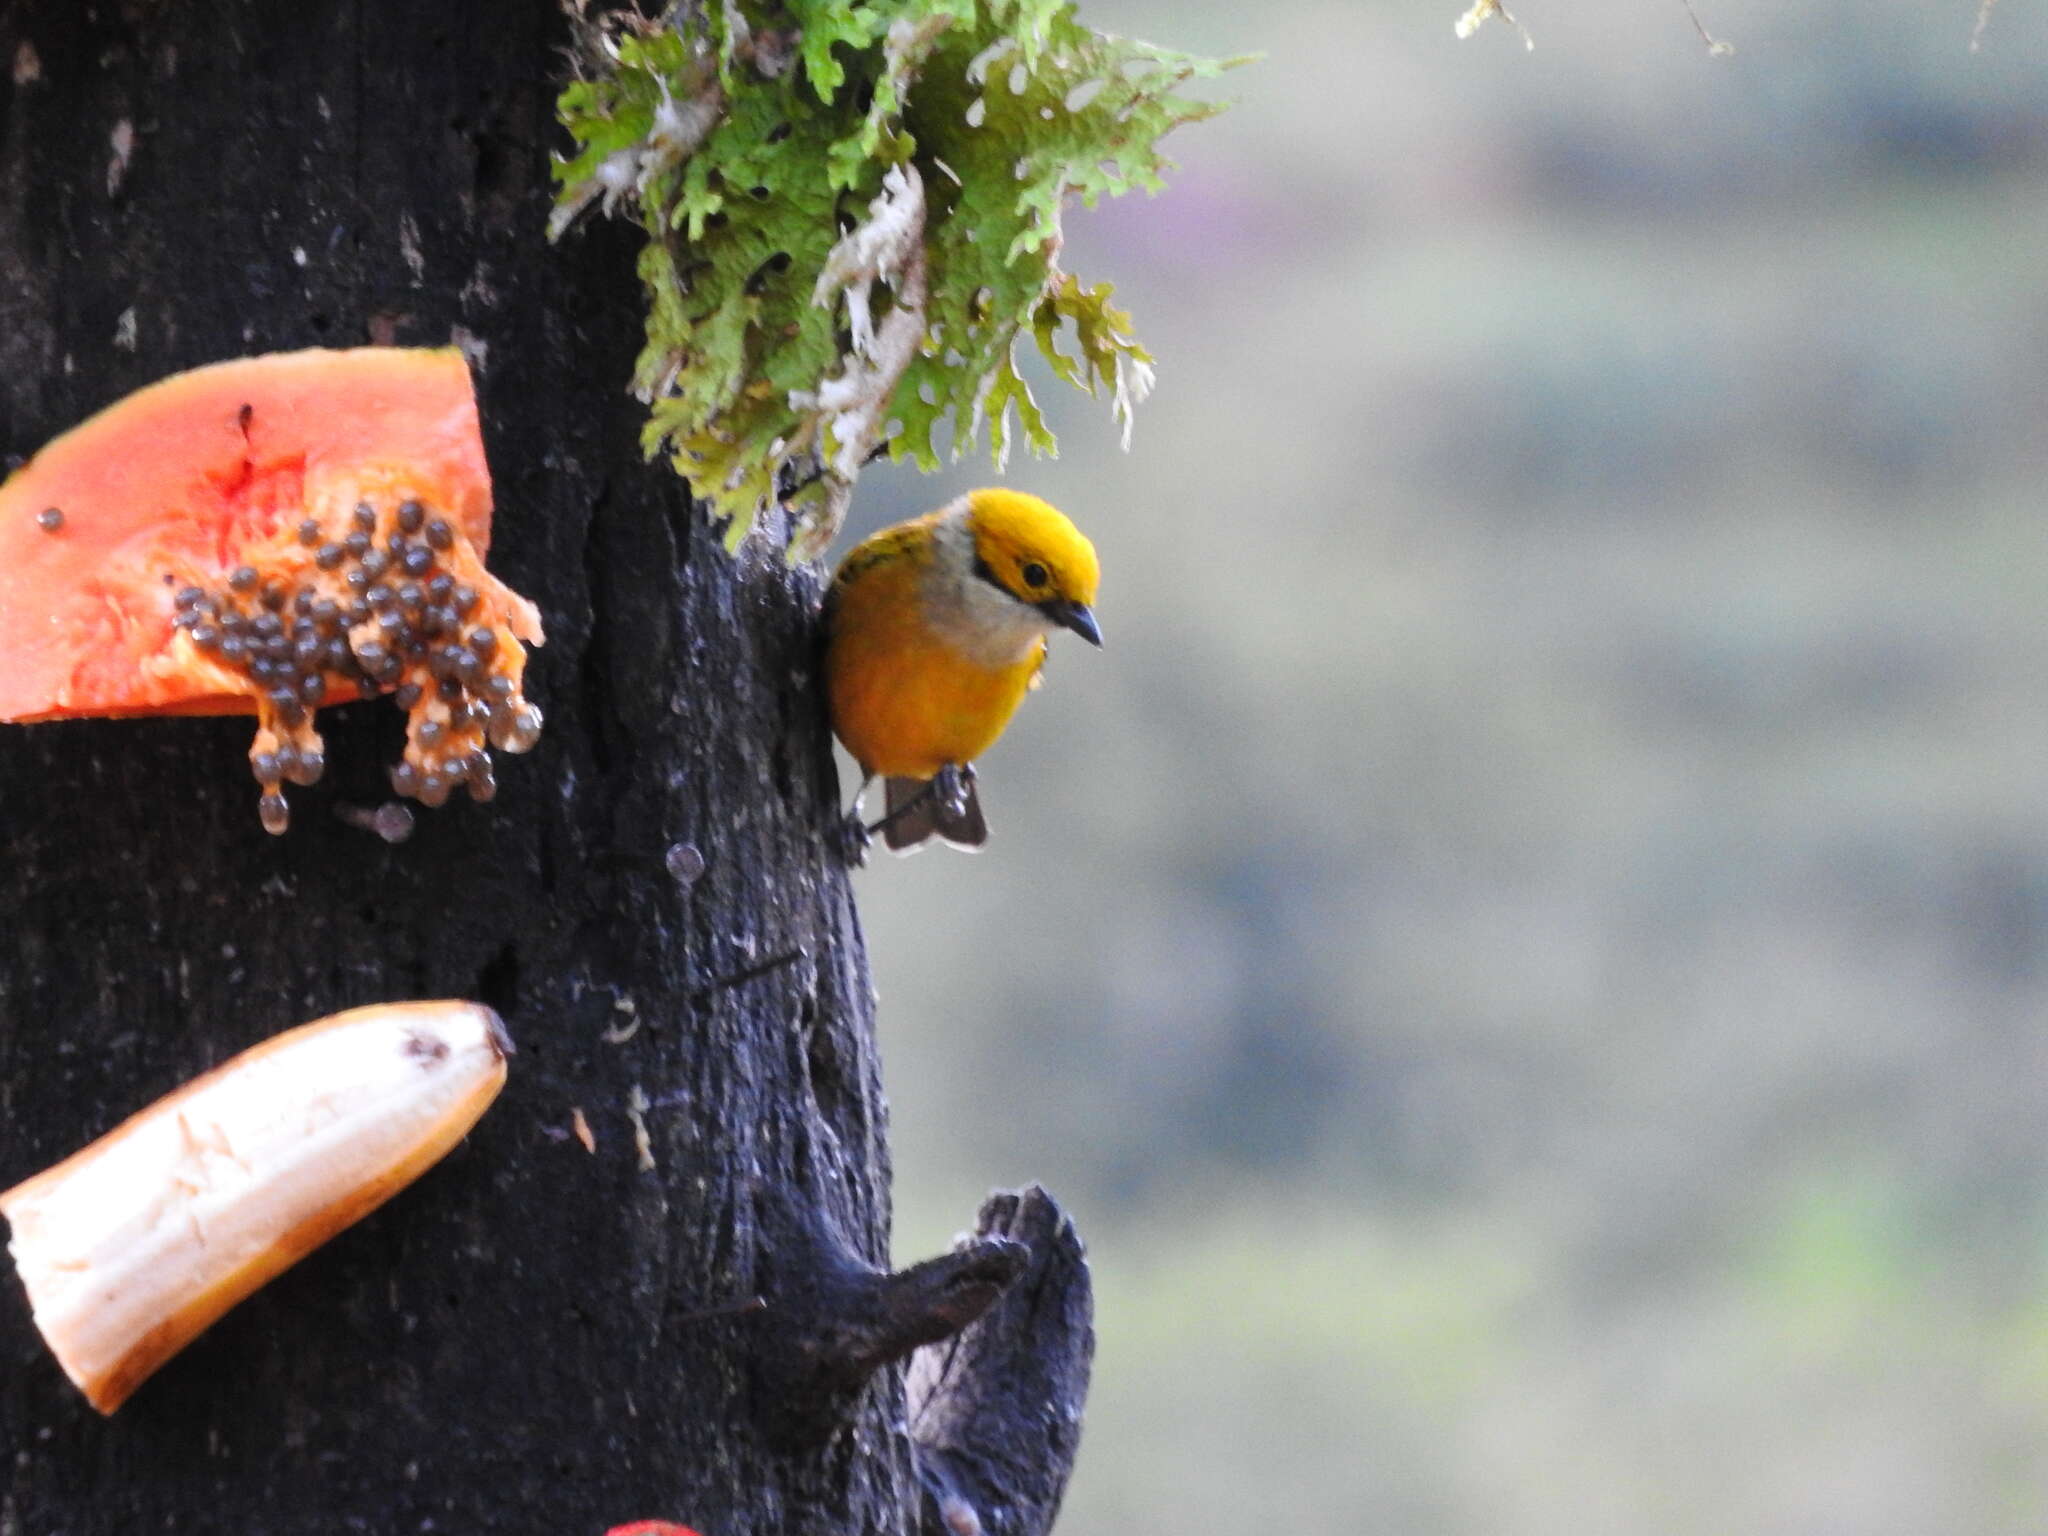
{"type": "Point", "coordinates": [853, 213]}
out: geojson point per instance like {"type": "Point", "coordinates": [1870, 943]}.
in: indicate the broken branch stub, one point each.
{"type": "Point", "coordinates": [830, 1320]}
{"type": "Point", "coordinates": [995, 1413]}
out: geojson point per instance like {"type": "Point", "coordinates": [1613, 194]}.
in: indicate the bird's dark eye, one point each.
{"type": "Point", "coordinates": [1033, 574]}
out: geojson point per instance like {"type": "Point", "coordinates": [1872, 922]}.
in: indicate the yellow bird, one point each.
{"type": "Point", "coordinates": [934, 630]}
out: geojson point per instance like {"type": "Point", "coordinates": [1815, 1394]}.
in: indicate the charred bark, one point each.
{"type": "Point", "coordinates": [535, 1338]}
{"type": "Point", "coordinates": [996, 1410]}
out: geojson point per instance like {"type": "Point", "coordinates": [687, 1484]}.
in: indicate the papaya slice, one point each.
{"type": "Point", "coordinates": [273, 534]}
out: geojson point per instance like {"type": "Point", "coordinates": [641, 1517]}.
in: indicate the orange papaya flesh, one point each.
{"type": "Point", "coordinates": [274, 535]}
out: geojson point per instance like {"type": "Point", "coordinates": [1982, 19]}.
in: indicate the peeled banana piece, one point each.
{"type": "Point", "coordinates": [130, 1248]}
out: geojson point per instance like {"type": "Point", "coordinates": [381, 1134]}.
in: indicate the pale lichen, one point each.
{"type": "Point", "coordinates": [1482, 11]}
{"type": "Point", "coordinates": [1983, 21]}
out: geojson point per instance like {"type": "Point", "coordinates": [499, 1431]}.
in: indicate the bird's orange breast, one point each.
{"type": "Point", "coordinates": [904, 701]}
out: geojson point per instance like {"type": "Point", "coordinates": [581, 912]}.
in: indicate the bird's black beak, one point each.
{"type": "Point", "coordinates": [1078, 617]}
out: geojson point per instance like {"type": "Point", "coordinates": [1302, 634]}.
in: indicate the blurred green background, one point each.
{"type": "Point", "coordinates": [1527, 954]}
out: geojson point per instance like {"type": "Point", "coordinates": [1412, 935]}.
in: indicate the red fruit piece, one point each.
{"type": "Point", "coordinates": [274, 535]}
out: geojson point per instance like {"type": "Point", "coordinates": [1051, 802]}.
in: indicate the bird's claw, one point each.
{"type": "Point", "coordinates": [949, 788]}
{"type": "Point", "coordinates": [851, 839]}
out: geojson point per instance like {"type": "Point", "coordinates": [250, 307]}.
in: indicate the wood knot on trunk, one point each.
{"type": "Point", "coordinates": [995, 1413]}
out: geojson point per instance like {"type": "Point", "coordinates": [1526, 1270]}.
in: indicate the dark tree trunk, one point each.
{"type": "Point", "coordinates": [536, 1338]}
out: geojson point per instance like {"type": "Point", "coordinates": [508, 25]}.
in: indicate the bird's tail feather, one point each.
{"type": "Point", "coordinates": [913, 812]}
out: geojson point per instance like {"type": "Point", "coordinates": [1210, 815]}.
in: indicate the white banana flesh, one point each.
{"type": "Point", "coordinates": [133, 1246]}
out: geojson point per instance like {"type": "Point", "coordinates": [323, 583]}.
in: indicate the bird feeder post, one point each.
{"type": "Point", "coordinates": [555, 1329]}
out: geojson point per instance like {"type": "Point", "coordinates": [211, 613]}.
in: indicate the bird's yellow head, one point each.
{"type": "Point", "coordinates": [1029, 549]}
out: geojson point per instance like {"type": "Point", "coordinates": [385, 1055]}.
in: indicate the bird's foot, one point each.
{"type": "Point", "coordinates": [850, 839]}
{"type": "Point", "coordinates": [950, 786]}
